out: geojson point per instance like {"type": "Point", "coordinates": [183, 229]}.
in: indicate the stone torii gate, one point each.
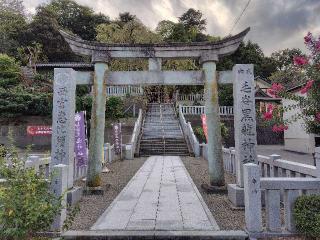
{"type": "Point", "coordinates": [65, 81]}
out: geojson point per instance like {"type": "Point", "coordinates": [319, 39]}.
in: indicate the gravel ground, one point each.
{"type": "Point", "coordinates": [218, 204]}
{"type": "Point", "coordinates": [91, 207]}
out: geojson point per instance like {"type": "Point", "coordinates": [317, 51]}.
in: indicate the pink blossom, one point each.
{"type": "Point", "coordinates": [318, 116]}
{"type": "Point", "coordinates": [270, 108]}
{"type": "Point", "coordinates": [307, 87]}
{"type": "Point", "coordinates": [267, 115]}
{"type": "Point", "coordinates": [308, 37]}
{"type": "Point", "coordinates": [275, 89]}
{"type": "Point", "coordinates": [318, 46]}
{"type": "Point", "coordinates": [300, 61]}
{"type": "Point", "coordinates": [279, 128]}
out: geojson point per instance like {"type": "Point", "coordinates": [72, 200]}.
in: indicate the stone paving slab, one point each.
{"type": "Point", "coordinates": [160, 197]}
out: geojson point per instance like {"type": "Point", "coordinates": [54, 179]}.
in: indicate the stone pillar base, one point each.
{"type": "Point", "coordinates": [214, 189]}
{"type": "Point", "coordinates": [74, 195]}
{"type": "Point", "coordinates": [96, 190]}
{"type": "Point", "coordinates": [236, 195]}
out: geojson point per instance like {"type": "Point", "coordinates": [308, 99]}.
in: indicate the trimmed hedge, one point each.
{"type": "Point", "coordinates": [307, 215]}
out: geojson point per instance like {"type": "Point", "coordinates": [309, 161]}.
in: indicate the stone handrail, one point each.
{"type": "Point", "coordinates": [124, 90]}
{"type": "Point", "coordinates": [276, 190]}
{"type": "Point", "coordinates": [109, 153]}
{"type": "Point", "coordinates": [190, 97]}
{"type": "Point", "coordinates": [130, 148]}
{"type": "Point", "coordinates": [188, 132]}
{"type": "Point", "coordinates": [42, 164]}
{"type": "Point", "coordinates": [271, 166]}
{"type": "Point", "coordinates": [198, 110]}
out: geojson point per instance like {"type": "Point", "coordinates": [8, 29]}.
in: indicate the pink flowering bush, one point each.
{"type": "Point", "coordinates": [307, 97]}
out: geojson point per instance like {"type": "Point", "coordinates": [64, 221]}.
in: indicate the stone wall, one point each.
{"type": "Point", "coordinates": [19, 130]}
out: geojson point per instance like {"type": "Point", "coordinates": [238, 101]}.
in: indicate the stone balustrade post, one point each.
{"type": "Point", "coordinates": [317, 160]}
{"type": "Point", "coordinates": [273, 171]}
{"type": "Point", "coordinates": [35, 162]}
{"type": "Point", "coordinates": [252, 197]}
{"type": "Point", "coordinates": [59, 186]}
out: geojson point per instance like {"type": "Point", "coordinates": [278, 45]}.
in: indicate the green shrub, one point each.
{"type": "Point", "coordinates": [114, 108]}
{"type": "Point", "coordinates": [18, 102]}
{"type": "Point", "coordinates": [307, 215]}
{"type": "Point", "coordinates": [9, 71]}
{"type": "Point", "coordinates": [26, 203]}
{"type": "Point", "coordinates": [199, 132]}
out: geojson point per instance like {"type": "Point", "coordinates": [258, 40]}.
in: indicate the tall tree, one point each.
{"type": "Point", "coordinates": [193, 19]}
{"type": "Point", "coordinates": [80, 20]}
{"type": "Point", "coordinates": [44, 29]}
{"type": "Point", "coordinates": [12, 22]}
{"type": "Point", "coordinates": [249, 53]}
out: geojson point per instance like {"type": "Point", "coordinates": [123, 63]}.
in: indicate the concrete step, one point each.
{"type": "Point", "coordinates": [143, 235]}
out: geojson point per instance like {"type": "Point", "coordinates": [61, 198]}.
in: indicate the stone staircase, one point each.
{"type": "Point", "coordinates": [161, 132]}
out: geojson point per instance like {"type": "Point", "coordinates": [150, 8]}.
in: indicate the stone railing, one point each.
{"type": "Point", "coordinates": [198, 110]}
{"type": "Point", "coordinates": [124, 90]}
{"type": "Point", "coordinates": [189, 134]}
{"type": "Point", "coordinates": [193, 97]}
{"type": "Point", "coordinates": [277, 191]}
{"type": "Point", "coordinates": [270, 166]}
{"type": "Point", "coordinates": [130, 147]}
{"type": "Point", "coordinates": [109, 153]}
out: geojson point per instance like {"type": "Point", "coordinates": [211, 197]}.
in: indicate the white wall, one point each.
{"type": "Point", "coordinates": [296, 138]}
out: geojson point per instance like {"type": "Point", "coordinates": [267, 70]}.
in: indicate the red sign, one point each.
{"type": "Point", "coordinates": [39, 130]}
{"type": "Point", "coordinates": [204, 125]}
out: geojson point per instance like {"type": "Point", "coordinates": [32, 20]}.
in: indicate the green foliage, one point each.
{"type": "Point", "coordinates": [193, 19]}
{"type": "Point", "coordinates": [72, 211]}
{"type": "Point", "coordinates": [18, 102]}
{"type": "Point", "coordinates": [249, 53]}
{"type": "Point", "coordinates": [225, 95]}
{"type": "Point", "coordinates": [84, 103]}
{"type": "Point", "coordinates": [199, 132]}
{"type": "Point", "coordinates": [12, 23]}
{"type": "Point", "coordinates": [79, 19]}
{"type": "Point", "coordinates": [26, 203]}
{"type": "Point", "coordinates": [114, 108]}
{"type": "Point", "coordinates": [224, 131]}
{"type": "Point", "coordinates": [44, 29]}
{"type": "Point", "coordinates": [9, 71]}
{"type": "Point", "coordinates": [307, 215]}
{"type": "Point", "coordinates": [31, 55]}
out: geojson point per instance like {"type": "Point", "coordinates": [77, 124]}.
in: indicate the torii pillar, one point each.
{"type": "Point", "coordinates": [97, 122]}
{"type": "Point", "coordinates": [215, 162]}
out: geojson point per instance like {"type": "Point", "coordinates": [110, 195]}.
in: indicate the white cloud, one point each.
{"type": "Point", "coordinates": [275, 24]}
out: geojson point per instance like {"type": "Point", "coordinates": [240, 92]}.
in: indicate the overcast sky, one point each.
{"type": "Point", "coordinates": [275, 24]}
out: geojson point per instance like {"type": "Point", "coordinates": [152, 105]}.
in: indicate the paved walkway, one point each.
{"type": "Point", "coordinates": [304, 158]}
{"type": "Point", "coordinates": [161, 196]}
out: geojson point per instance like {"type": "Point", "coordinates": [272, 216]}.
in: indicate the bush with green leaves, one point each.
{"type": "Point", "coordinates": [27, 205]}
{"type": "Point", "coordinates": [307, 215]}
{"type": "Point", "coordinates": [17, 102]}
{"type": "Point", "coordinates": [9, 71]}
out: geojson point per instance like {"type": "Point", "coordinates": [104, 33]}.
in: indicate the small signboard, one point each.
{"type": "Point", "coordinates": [40, 130]}
{"type": "Point", "coordinates": [117, 139]}
{"type": "Point", "coordinates": [80, 146]}
{"type": "Point", "coordinates": [204, 125]}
